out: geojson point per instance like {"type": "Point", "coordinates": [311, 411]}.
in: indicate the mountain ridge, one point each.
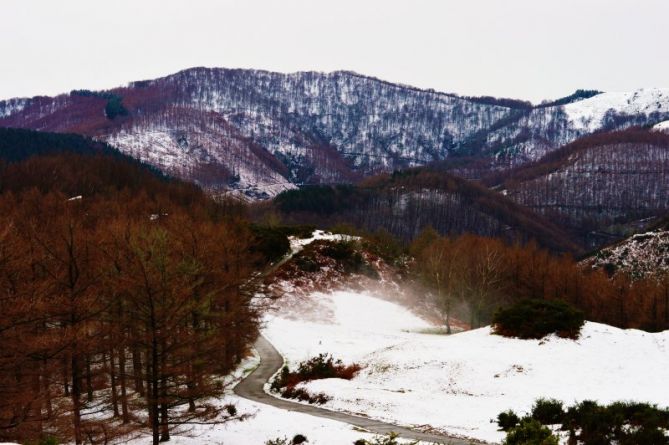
{"type": "Point", "coordinates": [258, 132]}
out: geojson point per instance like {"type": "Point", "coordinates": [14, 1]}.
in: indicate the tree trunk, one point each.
{"type": "Point", "coordinates": [164, 421]}
{"type": "Point", "coordinates": [114, 388]}
{"type": "Point", "coordinates": [76, 398]}
{"type": "Point", "coordinates": [89, 379]}
{"type": "Point", "coordinates": [122, 381]}
{"type": "Point", "coordinates": [137, 368]}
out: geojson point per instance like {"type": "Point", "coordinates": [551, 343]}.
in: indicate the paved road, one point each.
{"type": "Point", "coordinates": [271, 361]}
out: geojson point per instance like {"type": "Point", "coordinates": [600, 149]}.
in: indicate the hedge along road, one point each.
{"type": "Point", "coordinates": [252, 388]}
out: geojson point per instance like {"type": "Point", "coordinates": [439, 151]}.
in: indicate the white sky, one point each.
{"type": "Point", "coordinates": [530, 49]}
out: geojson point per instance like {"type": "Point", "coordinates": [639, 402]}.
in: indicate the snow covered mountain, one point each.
{"type": "Point", "coordinates": [261, 132]}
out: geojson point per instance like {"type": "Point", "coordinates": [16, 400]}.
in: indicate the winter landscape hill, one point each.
{"type": "Point", "coordinates": [598, 187]}
{"type": "Point", "coordinates": [118, 233]}
{"type": "Point", "coordinates": [261, 132]}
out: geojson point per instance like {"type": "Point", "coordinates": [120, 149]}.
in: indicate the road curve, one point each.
{"type": "Point", "coordinates": [252, 388]}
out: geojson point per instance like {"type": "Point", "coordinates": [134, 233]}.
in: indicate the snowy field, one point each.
{"type": "Point", "coordinates": [459, 383]}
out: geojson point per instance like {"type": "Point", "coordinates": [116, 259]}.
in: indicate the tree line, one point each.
{"type": "Point", "coordinates": [471, 277]}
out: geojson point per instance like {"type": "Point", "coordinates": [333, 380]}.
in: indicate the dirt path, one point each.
{"type": "Point", "coordinates": [252, 388]}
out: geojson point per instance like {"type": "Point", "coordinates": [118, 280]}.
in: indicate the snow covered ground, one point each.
{"type": "Point", "coordinates": [297, 244]}
{"type": "Point", "coordinates": [265, 423]}
{"type": "Point", "coordinates": [459, 383]}
{"type": "Point", "coordinates": [268, 423]}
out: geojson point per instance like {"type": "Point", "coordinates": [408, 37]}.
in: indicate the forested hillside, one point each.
{"type": "Point", "coordinates": [260, 133]}
{"type": "Point", "coordinates": [407, 202]}
{"type": "Point", "coordinates": [125, 296]}
{"type": "Point", "coordinates": [596, 186]}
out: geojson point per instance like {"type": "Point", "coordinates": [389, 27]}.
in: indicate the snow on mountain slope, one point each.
{"type": "Point", "coordinates": [641, 255]}
{"type": "Point", "coordinates": [662, 126]}
{"type": "Point", "coordinates": [12, 106]}
{"type": "Point", "coordinates": [459, 383]}
{"type": "Point", "coordinates": [590, 114]}
{"type": "Point", "coordinates": [204, 148]}
{"type": "Point", "coordinates": [320, 127]}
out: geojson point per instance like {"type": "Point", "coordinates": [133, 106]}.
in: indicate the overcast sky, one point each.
{"type": "Point", "coordinates": [531, 49]}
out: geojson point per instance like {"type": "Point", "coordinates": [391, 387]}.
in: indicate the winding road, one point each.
{"type": "Point", "coordinates": [252, 388]}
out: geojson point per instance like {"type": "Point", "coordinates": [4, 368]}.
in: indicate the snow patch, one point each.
{"type": "Point", "coordinates": [588, 114]}
{"type": "Point", "coordinates": [662, 126]}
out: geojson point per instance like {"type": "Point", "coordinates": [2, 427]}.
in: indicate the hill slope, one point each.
{"type": "Point", "coordinates": [408, 202]}
{"type": "Point", "coordinates": [597, 185]}
{"type": "Point", "coordinates": [458, 383]}
{"type": "Point", "coordinates": [261, 132]}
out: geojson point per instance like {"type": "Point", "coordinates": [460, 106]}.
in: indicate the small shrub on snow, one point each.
{"type": "Point", "coordinates": [507, 420]}
{"type": "Point", "coordinates": [299, 439]}
{"type": "Point", "coordinates": [530, 432]}
{"type": "Point", "coordinates": [323, 366]}
{"type": "Point", "coordinates": [538, 318]}
{"type": "Point", "coordinates": [278, 441]}
{"type": "Point", "coordinates": [303, 395]}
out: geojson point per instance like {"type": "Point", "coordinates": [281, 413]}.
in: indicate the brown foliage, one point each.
{"type": "Point", "coordinates": [482, 274]}
{"type": "Point", "coordinates": [131, 297]}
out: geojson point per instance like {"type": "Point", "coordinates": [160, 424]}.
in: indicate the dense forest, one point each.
{"type": "Point", "coordinates": [125, 296]}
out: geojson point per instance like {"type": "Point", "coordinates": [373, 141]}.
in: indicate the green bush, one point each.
{"type": "Point", "coordinates": [538, 318]}
{"type": "Point", "coordinates": [548, 411]}
{"type": "Point", "coordinates": [507, 420]}
{"type": "Point", "coordinates": [530, 432]}
{"type": "Point", "coordinates": [271, 242]}
{"type": "Point", "coordinates": [321, 367]}
{"type": "Point", "coordinates": [588, 423]}
{"type": "Point", "coordinates": [299, 439]}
